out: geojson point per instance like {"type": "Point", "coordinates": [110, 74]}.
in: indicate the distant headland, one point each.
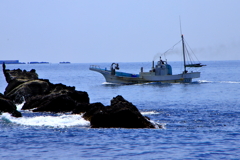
{"type": "Point", "coordinates": [38, 62]}
{"type": "Point", "coordinates": [11, 62]}
{"type": "Point", "coordinates": [64, 62]}
{"type": "Point", "coordinates": [33, 62]}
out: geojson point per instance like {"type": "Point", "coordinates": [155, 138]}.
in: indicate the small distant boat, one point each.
{"type": "Point", "coordinates": [38, 62]}
{"type": "Point", "coordinates": [64, 62]}
{"type": "Point", "coordinates": [161, 72]}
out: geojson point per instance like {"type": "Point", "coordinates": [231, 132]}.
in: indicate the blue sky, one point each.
{"type": "Point", "coordinates": [117, 30]}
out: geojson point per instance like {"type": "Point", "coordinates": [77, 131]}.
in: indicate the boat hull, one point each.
{"type": "Point", "coordinates": [146, 77]}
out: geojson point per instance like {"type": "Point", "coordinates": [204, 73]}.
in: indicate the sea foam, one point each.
{"type": "Point", "coordinates": [149, 113]}
{"type": "Point", "coordinates": [19, 106]}
{"type": "Point", "coordinates": [48, 121]}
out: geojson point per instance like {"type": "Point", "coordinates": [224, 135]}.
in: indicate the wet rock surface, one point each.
{"type": "Point", "coordinates": [61, 101]}
{"type": "Point", "coordinates": [120, 113]}
{"type": "Point", "coordinates": [6, 105]}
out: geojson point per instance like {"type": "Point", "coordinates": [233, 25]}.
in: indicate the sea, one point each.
{"type": "Point", "coordinates": [201, 120]}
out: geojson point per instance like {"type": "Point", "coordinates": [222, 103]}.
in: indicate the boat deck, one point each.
{"type": "Point", "coordinates": [119, 74]}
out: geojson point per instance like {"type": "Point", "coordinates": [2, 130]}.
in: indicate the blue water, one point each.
{"type": "Point", "coordinates": [201, 119]}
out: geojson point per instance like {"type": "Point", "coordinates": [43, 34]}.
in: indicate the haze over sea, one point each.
{"type": "Point", "coordinates": [201, 119]}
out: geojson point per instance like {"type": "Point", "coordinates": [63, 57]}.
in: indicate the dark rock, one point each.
{"type": "Point", "coordinates": [39, 94]}
{"type": "Point", "coordinates": [19, 74]}
{"type": "Point", "coordinates": [121, 114]}
{"type": "Point", "coordinates": [80, 108]}
{"type": "Point", "coordinates": [93, 109]}
{"type": "Point", "coordinates": [65, 101]}
{"type": "Point", "coordinates": [28, 89]}
{"type": "Point", "coordinates": [22, 84]}
{"type": "Point", "coordinates": [6, 105]}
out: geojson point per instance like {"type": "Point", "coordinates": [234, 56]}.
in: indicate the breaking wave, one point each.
{"type": "Point", "coordinates": [19, 106]}
{"type": "Point", "coordinates": [149, 112]}
{"type": "Point", "coordinates": [48, 121]}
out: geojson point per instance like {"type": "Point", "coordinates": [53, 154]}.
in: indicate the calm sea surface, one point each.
{"type": "Point", "coordinates": [201, 119]}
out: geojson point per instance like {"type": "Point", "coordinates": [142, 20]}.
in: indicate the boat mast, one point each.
{"type": "Point", "coordinates": [184, 60]}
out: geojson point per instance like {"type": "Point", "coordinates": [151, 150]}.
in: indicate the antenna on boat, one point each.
{"type": "Point", "coordinates": [180, 25]}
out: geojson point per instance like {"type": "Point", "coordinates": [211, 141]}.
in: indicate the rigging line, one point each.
{"type": "Point", "coordinates": [192, 52]}
{"type": "Point", "coordinates": [189, 56]}
{"type": "Point", "coordinates": [171, 48]}
{"type": "Point", "coordinates": [164, 54]}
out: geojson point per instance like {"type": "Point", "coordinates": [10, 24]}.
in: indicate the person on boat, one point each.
{"type": "Point", "coordinates": [162, 62]}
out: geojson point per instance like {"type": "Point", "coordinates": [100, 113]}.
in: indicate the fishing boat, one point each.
{"type": "Point", "coordinates": [161, 72]}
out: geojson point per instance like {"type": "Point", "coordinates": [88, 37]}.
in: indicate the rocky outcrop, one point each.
{"type": "Point", "coordinates": [120, 114]}
{"type": "Point", "coordinates": [23, 84]}
{"type": "Point", "coordinates": [65, 100]}
{"type": "Point", "coordinates": [27, 89]}
{"type": "Point", "coordinates": [16, 77]}
{"type": "Point", "coordinates": [42, 96]}
{"type": "Point", "coordinates": [6, 105]}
